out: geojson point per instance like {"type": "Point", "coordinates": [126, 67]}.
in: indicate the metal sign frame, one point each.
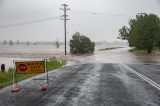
{"type": "Point", "coordinates": [14, 85]}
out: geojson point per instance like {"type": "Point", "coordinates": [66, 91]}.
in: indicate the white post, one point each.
{"type": "Point", "coordinates": [13, 74]}
{"type": "Point", "coordinates": [46, 73]}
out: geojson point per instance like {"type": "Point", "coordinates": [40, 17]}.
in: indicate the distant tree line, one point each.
{"type": "Point", "coordinates": [143, 32]}
{"type": "Point", "coordinates": [10, 42]}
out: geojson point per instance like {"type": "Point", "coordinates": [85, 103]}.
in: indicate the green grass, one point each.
{"type": "Point", "coordinates": [109, 48]}
{"type": "Point", "coordinates": [6, 77]}
{"type": "Point", "coordinates": [157, 50]}
{"type": "Point", "coordinates": [135, 50]}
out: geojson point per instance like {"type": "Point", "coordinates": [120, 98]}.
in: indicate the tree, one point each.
{"type": "Point", "coordinates": [4, 42]}
{"type": "Point", "coordinates": [80, 44]}
{"type": "Point", "coordinates": [35, 43]}
{"type": "Point", "coordinates": [143, 32]}
{"type": "Point", "coordinates": [17, 42]}
{"type": "Point", "coordinates": [27, 43]}
{"type": "Point", "coordinates": [10, 42]}
{"type": "Point", "coordinates": [57, 44]}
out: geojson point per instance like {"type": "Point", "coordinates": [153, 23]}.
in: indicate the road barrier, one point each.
{"type": "Point", "coordinates": [30, 67]}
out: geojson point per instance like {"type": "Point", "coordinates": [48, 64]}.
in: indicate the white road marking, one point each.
{"type": "Point", "coordinates": [151, 82]}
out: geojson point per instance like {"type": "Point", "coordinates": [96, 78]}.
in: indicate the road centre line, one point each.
{"type": "Point", "coordinates": [151, 82]}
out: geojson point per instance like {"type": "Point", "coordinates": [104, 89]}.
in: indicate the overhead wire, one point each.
{"type": "Point", "coordinates": [28, 12]}
{"type": "Point", "coordinates": [51, 18]}
{"type": "Point", "coordinates": [18, 5]}
{"type": "Point", "coordinates": [99, 13]}
{"type": "Point", "coordinates": [34, 3]}
{"type": "Point", "coordinates": [29, 22]}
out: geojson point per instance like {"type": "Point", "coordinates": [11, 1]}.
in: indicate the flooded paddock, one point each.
{"type": "Point", "coordinates": [32, 52]}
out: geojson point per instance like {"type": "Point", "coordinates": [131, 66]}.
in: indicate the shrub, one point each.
{"type": "Point", "coordinates": [80, 44]}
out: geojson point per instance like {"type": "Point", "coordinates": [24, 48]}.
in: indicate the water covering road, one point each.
{"type": "Point", "coordinates": [120, 56]}
{"type": "Point", "coordinates": [93, 83]}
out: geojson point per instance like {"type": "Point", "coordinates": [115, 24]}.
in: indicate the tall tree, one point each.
{"type": "Point", "coordinates": [4, 42]}
{"type": "Point", "coordinates": [17, 42]}
{"type": "Point", "coordinates": [143, 32]}
{"type": "Point", "coordinates": [57, 44]}
{"type": "Point", "coordinates": [27, 43]}
{"type": "Point", "coordinates": [10, 42]}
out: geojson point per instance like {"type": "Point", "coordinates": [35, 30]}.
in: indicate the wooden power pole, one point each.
{"type": "Point", "coordinates": [64, 17]}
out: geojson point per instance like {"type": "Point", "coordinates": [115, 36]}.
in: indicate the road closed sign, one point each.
{"type": "Point", "coordinates": [30, 67]}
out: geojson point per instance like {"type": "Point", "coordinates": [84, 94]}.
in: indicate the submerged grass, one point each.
{"type": "Point", "coordinates": [6, 77]}
{"type": "Point", "coordinates": [110, 48]}
{"type": "Point", "coordinates": [135, 50]}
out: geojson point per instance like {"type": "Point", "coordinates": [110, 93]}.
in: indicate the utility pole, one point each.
{"type": "Point", "coordinates": [65, 9]}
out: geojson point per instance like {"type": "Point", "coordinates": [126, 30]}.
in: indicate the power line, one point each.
{"type": "Point", "coordinates": [98, 13]}
{"type": "Point", "coordinates": [33, 3]}
{"type": "Point", "coordinates": [18, 5]}
{"type": "Point", "coordinates": [28, 13]}
{"type": "Point", "coordinates": [29, 22]}
{"type": "Point", "coordinates": [27, 5]}
{"type": "Point", "coordinates": [65, 9]}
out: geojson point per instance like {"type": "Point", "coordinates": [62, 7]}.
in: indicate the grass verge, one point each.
{"type": "Point", "coordinates": [110, 48]}
{"type": "Point", "coordinates": [135, 50]}
{"type": "Point", "coordinates": [6, 77]}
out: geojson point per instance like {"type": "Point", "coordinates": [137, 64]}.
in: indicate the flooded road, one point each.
{"type": "Point", "coordinates": [106, 78]}
{"type": "Point", "coordinates": [121, 55]}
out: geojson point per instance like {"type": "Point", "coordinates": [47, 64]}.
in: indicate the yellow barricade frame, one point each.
{"type": "Point", "coordinates": [30, 67]}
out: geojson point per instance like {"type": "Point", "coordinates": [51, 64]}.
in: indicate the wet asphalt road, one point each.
{"type": "Point", "coordinates": [92, 84]}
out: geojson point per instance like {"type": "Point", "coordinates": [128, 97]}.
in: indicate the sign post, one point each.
{"type": "Point", "coordinates": [15, 88]}
{"type": "Point", "coordinates": [29, 67]}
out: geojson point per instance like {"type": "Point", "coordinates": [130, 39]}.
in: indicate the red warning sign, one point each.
{"type": "Point", "coordinates": [22, 67]}
{"type": "Point", "coordinates": [30, 67]}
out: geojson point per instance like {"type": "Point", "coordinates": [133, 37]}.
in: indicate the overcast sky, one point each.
{"type": "Point", "coordinates": [98, 19]}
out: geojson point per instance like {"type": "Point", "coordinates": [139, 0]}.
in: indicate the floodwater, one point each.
{"type": "Point", "coordinates": [109, 56]}
{"type": "Point", "coordinates": [30, 49]}
{"type": "Point", "coordinates": [42, 48]}
{"type": "Point", "coordinates": [121, 55]}
{"type": "Point", "coordinates": [8, 54]}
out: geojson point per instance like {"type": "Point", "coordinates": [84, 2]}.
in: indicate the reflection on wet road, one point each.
{"type": "Point", "coordinates": [88, 85]}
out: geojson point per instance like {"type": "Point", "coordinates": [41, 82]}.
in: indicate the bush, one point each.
{"type": "Point", "coordinates": [80, 44]}
{"type": "Point", "coordinates": [143, 32]}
